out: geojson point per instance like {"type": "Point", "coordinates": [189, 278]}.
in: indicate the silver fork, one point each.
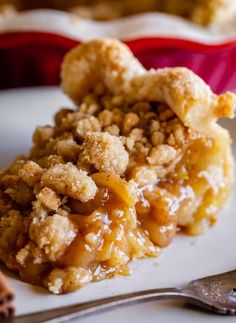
{"type": "Point", "coordinates": [214, 293]}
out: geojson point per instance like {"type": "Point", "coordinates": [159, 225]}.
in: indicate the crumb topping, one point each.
{"type": "Point", "coordinates": [67, 179]}
{"type": "Point", "coordinates": [139, 158]}
{"type": "Point", "coordinates": [105, 152]}
{"type": "Point", "coordinates": [31, 173]}
{"type": "Point", "coordinates": [52, 234]}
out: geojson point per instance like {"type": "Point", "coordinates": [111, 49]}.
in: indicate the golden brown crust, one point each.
{"type": "Point", "coordinates": [100, 61]}
{"type": "Point", "coordinates": [112, 63]}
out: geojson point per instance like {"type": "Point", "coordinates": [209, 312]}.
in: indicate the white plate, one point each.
{"type": "Point", "coordinates": [186, 259]}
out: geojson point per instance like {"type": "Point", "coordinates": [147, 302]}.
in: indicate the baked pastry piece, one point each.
{"type": "Point", "coordinates": [139, 158]}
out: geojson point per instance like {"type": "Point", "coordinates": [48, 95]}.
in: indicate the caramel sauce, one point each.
{"type": "Point", "coordinates": [99, 223]}
{"type": "Point", "coordinates": [100, 245]}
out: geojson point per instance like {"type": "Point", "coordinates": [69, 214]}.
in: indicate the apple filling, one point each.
{"type": "Point", "coordinates": [112, 180]}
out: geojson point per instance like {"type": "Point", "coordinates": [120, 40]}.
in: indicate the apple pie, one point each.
{"type": "Point", "coordinates": [139, 158]}
{"type": "Point", "coordinates": [204, 12]}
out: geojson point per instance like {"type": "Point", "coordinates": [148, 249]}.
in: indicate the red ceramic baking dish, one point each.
{"type": "Point", "coordinates": [33, 44]}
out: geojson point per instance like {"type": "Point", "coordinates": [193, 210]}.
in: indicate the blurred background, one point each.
{"type": "Point", "coordinates": [202, 12]}
{"type": "Point", "coordinates": [200, 34]}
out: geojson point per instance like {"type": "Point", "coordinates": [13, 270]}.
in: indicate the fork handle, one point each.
{"type": "Point", "coordinates": [73, 312]}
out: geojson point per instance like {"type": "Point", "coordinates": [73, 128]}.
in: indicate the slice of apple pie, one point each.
{"type": "Point", "coordinates": [139, 158]}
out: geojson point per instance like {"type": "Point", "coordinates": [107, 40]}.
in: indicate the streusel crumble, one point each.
{"type": "Point", "coordinates": [139, 158]}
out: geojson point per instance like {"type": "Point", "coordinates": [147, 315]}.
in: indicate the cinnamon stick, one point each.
{"type": "Point", "coordinates": [7, 297]}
